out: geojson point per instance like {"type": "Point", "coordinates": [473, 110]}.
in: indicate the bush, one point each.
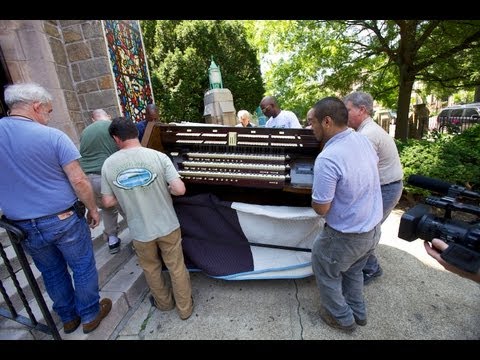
{"type": "Point", "coordinates": [455, 159]}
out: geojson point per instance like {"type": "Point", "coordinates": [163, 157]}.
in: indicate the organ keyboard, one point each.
{"type": "Point", "coordinates": [256, 158]}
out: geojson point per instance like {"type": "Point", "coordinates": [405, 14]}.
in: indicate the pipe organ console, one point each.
{"type": "Point", "coordinates": [232, 158]}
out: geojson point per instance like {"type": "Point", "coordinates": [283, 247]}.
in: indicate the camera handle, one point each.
{"type": "Point", "coordinates": [462, 257]}
{"type": "Point", "coordinates": [449, 204]}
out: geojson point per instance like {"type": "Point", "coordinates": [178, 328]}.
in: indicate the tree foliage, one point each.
{"type": "Point", "coordinates": [179, 54]}
{"type": "Point", "coordinates": [383, 57]}
{"type": "Point", "coordinates": [440, 158]}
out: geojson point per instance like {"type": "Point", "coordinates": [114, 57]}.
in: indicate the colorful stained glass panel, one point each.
{"type": "Point", "coordinates": [127, 57]}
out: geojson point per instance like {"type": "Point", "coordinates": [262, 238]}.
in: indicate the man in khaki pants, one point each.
{"type": "Point", "coordinates": [96, 145]}
{"type": "Point", "coordinates": [142, 181]}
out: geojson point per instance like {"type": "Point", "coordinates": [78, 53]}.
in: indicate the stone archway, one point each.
{"type": "Point", "coordinates": [5, 79]}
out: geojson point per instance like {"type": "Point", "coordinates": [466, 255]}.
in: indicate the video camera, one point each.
{"type": "Point", "coordinates": [463, 237]}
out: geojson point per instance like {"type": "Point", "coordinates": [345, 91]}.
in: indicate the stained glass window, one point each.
{"type": "Point", "coordinates": [129, 66]}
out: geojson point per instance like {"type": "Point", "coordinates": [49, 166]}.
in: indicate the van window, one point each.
{"type": "Point", "coordinates": [457, 112]}
{"type": "Point", "coordinates": [443, 113]}
{"type": "Point", "coordinates": [469, 112]}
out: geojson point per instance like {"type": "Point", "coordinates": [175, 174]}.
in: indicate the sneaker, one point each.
{"type": "Point", "coordinates": [72, 325]}
{"type": "Point", "coordinates": [361, 322]}
{"type": "Point", "coordinates": [368, 277]}
{"type": "Point", "coordinates": [331, 321]}
{"type": "Point", "coordinates": [115, 248]}
{"type": "Point", "coordinates": [105, 307]}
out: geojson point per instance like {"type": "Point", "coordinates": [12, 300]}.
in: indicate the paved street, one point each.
{"type": "Point", "coordinates": [415, 299]}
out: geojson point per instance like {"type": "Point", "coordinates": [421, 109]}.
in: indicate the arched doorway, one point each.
{"type": "Point", "coordinates": [5, 79]}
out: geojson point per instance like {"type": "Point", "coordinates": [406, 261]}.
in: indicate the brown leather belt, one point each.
{"type": "Point", "coordinates": [65, 214]}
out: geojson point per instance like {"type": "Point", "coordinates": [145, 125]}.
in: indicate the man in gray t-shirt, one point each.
{"type": "Point", "coordinates": [142, 181]}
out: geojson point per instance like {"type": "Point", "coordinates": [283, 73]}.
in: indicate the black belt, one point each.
{"type": "Point", "coordinates": [71, 208]}
{"type": "Point", "coordinates": [94, 173]}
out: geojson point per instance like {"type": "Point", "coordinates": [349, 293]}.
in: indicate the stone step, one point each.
{"type": "Point", "coordinates": [120, 278]}
{"type": "Point", "coordinates": [97, 239]}
{"type": "Point", "coordinates": [126, 289]}
{"type": "Point", "coordinates": [106, 263]}
{"type": "Point", "coordinates": [13, 260]}
{"type": "Point", "coordinates": [4, 240]}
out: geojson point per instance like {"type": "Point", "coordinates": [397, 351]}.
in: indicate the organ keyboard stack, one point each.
{"type": "Point", "coordinates": [259, 158]}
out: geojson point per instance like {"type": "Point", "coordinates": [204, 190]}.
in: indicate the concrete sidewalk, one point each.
{"type": "Point", "coordinates": [414, 299]}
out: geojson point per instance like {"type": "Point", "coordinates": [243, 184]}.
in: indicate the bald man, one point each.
{"type": "Point", "coordinates": [100, 114]}
{"type": "Point", "coordinates": [96, 145]}
{"type": "Point", "coordinates": [278, 118]}
{"type": "Point", "coordinates": [151, 114]}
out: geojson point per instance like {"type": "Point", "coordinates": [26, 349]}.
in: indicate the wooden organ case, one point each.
{"type": "Point", "coordinates": [267, 166]}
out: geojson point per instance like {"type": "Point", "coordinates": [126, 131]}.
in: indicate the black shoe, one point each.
{"type": "Point", "coordinates": [115, 248]}
{"type": "Point", "coordinates": [331, 321]}
{"type": "Point", "coordinates": [360, 321]}
{"type": "Point", "coordinates": [368, 277]}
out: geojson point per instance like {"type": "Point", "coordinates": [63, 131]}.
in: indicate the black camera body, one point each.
{"type": "Point", "coordinates": [463, 237]}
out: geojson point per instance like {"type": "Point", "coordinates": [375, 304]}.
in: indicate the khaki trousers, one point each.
{"type": "Point", "coordinates": [169, 250]}
{"type": "Point", "coordinates": [109, 215]}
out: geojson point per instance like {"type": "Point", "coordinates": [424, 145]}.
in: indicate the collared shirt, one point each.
{"type": "Point", "coordinates": [346, 174]}
{"type": "Point", "coordinates": [389, 165]}
{"type": "Point", "coordinates": [141, 126]}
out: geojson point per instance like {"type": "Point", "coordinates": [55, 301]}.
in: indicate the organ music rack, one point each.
{"type": "Point", "coordinates": [258, 165]}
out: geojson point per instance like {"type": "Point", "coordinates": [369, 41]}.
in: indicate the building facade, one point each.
{"type": "Point", "coordinates": [83, 63]}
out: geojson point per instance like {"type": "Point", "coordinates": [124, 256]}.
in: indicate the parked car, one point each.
{"type": "Point", "coordinates": [456, 118]}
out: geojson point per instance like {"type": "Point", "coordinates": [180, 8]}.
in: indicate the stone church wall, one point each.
{"type": "Point", "coordinates": [70, 59]}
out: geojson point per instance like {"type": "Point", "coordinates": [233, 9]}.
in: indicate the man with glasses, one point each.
{"type": "Point", "coordinates": [278, 118]}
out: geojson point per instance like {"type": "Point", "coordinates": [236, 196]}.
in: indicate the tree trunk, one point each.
{"type": "Point", "coordinates": [403, 104]}
{"type": "Point", "coordinates": [476, 97]}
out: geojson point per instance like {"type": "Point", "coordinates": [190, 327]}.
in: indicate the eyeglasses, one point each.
{"type": "Point", "coordinates": [43, 110]}
{"type": "Point", "coordinates": [266, 107]}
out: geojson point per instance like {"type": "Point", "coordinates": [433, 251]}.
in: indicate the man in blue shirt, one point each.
{"type": "Point", "coordinates": [345, 183]}
{"type": "Point", "coordinates": [151, 114]}
{"type": "Point", "coordinates": [40, 182]}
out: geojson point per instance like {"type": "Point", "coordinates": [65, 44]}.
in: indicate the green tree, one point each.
{"type": "Point", "coordinates": [383, 57]}
{"type": "Point", "coordinates": [179, 54]}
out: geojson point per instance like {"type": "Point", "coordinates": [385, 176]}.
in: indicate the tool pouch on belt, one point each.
{"type": "Point", "coordinates": [79, 208]}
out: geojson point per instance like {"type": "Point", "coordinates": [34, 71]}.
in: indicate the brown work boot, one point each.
{"type": "Point", "coordinates": [188, 313]}
{"type": "Point", "coordinates": [330, 320]}
{"type": "Point", "coordinates": [72, 325]}
{"type": "Point", "coordinates": [163, 308]}
{"type": "Point", "coordinates": [105, 307]}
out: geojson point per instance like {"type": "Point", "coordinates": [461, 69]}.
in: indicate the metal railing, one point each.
{"type": "Point", "coordinates": [456, 125]}
{"type": "Point", "coordinates": [16, 236]}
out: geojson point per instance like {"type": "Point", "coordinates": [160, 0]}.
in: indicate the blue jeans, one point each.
{"type": "Point", "coordinates": [53, 244]}
{"type": "Point", "coordinates": [391, 194]}
{"type": "Point", "coordinates": [337, 262]}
